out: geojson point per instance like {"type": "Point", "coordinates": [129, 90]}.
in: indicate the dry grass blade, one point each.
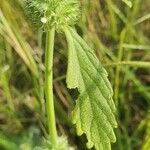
{"type": "Point", "coordinates": [18, 43]}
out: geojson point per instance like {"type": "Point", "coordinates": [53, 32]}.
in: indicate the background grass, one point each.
{"type": "Point", "coordinates": [119, 31]}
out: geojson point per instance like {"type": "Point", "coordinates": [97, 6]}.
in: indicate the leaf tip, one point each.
{"type": "Point", "coordinates": [89, 144]}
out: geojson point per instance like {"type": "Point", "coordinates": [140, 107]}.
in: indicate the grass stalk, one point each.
{"type": "Point", "coordinates": [140, 64]}
{"type": "Point", "coordinates": [119, 58]}
{"type": "Point", "coordinates": [49, 85]}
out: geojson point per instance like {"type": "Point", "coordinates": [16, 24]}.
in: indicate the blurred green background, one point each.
{"type": "Point", "coordinates": [118, 30]}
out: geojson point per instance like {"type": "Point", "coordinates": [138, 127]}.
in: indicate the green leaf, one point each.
{"type": "Point", "coordinates": [94, 110]}
{"type": "Point", "coordinates": [128, 3]}
{"type": "Point", "coordinates": [73, 72]}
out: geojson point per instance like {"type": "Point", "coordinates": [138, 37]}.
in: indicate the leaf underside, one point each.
{"type": "Point", "coordinates": [94, 110]}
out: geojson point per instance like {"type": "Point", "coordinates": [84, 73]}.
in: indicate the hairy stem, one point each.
{"type": "Point", "coordinates": [49, 85]}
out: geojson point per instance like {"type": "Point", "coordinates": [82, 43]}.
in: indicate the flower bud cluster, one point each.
{"type": "Point", "coordinates": [47, 14]}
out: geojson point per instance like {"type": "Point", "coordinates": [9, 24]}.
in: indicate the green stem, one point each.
{"type": "Point", "coordinates": [49, 85]}
{"type": "Point", "coordinates": [119, 58]}
{"type": "Point", "coordinates": [140, 64]}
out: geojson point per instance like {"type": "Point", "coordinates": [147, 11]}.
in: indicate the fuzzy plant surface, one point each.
{"type": "Point", "coordinates": [47, 14]}
{"type": "Point", "coordinates": [94, 112]}
{"type": "Point", "coordinates": [62, 145]}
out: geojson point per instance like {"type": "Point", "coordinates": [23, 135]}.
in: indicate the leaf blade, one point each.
{"type": "Point", "coordinates": [94, 110]}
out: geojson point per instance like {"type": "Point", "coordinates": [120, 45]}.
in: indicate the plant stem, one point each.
{"type": "Point", "coordinates": [140, 64]}
{"type": "Point", "coordinates": [119, 58]}
{"type": "Point", "coordinates": [49, 85]}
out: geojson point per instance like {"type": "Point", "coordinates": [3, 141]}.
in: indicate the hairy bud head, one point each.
{"type": "Point", "coordinates": [52, 13]}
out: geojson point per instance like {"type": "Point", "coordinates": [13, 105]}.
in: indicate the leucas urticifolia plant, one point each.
{"type": "Point", "coordinates": [94, 110]}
